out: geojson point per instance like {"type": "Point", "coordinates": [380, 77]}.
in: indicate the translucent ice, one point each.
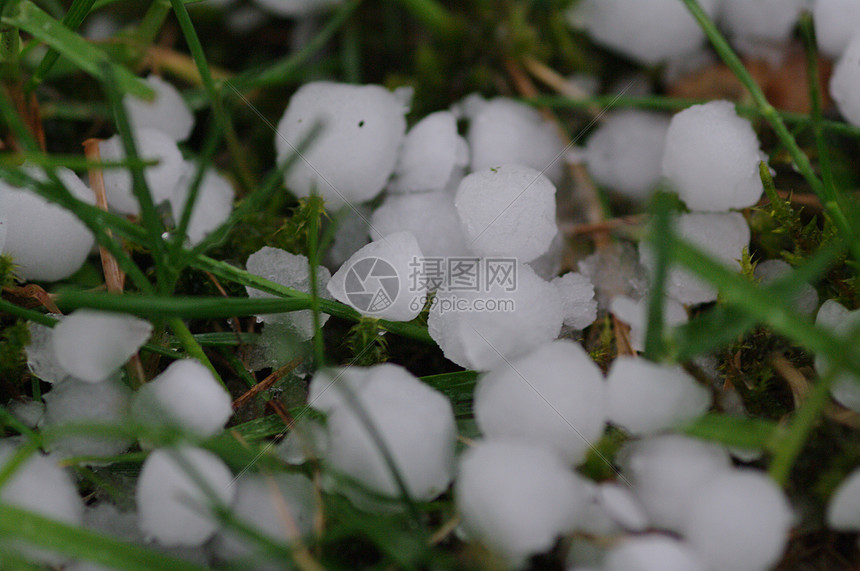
{"type": "Point", "coordinates": [172, 507]}
{"type": "Point", "coordinates": [41, 357]}
{"type": "Point", "coordinates": [481, 329]}
{"type": "Point", "coordinates": [430, 216]}
{"type": "Point", "coordinates": [167, 113]}
{"type": "Point", "coordinates": [845, 81]}
{"type": "Point", "coordinates": [805, 301]}
{"type": "Point", "coordinates": [712, 158]}
{"type": "Point", "coordinates": [554, 397]}
{"type": "Point", "coordinates": [507, 210]}
{"type": "Point", "coordinates": [738, 520]}
{"type": "Point", "coordinates": [653, 553]}
{"type": "Point", "coordinates": [160, 178]}
{"type": "Point", "coordinates": [429, 156]}
{"type": "Point", "coordinates": [624, 153]}
{"type": "Point", "coordinates": [185, 395]}
{"type": "Point", "coordinates": [621, 505]}
{"type": "Point", "coordinates": [212, 207]}
{"type": "Point", "coordinates": [615, 270]}
{"type": "Point", "coordinates": [835, 22]}
{"type": "Point", "coordinates": [645, 397]}
{"type": "Point", "coordinates": [46, 241]}
{"type": "Point", "coordinates": [843, 508]}
{"type": "Point", "coordinates": [383, 279]}
{"type": "Point", "coordinates": [577, 299]}
{"type": "Point", "coordinates": [353, 156]}
{"type": "Point", "coordinates": [351, 234]}
{"type": "Point", "coordinates": [835, 317]}
{"type": "Point", "coordinates": [93, 344]}
{"type": "Point", "coordinates": [635, 315]}
{"type": "Point", "coordinates": [517, 498]}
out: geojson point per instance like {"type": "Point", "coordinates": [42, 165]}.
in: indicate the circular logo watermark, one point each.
{"type": "Point", "coordinates": [371, 285]}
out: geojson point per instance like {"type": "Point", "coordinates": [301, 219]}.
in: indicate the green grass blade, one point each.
{"type": "Point", "coordinates": [661, 239]}
{"type": "Point", "coordinates": [78, 11]}
{"type": "Point", "coordinates": [743, 432]}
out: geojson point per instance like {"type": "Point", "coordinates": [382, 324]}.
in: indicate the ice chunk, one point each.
{"type": "Point", "coordinates": [41, 357]}
{"type": "Point", "coordinates": [160, 178]}
{"type": "Point", "coordinates": [739, 520]}
{"type": "Point", "coordinates": [646, 397]}
{"type": "Point", "coordinates": [836, 21]}
{"type": "Point", "coordinates": [712, 158]}
{"type": "Point", "coordinates": [635, 315]}
{"type": "Point", "coordinates": [653, 553]}
{"type": "Point", "coordinates": [383, 279]}
{"type": "Point", "coordinates": [481, 329]}
{"type": "Point", "coordinates": [504, 131]}
{"type": "Point", "coordinates": [429, 156]}
{"type": "Point", "coordinates": [292, 271]}
{"type": "Point", "coordinates": [28, 412]}
{"type": "Point", "coordinates": [352, 158]}
{"type": "Point", "coordinates": [622, 506]}
{"type": "Point", "coordinates": [553, 397]}
{"type": "Point", "coordinates": [168, 112]}
{"type": "Point", "coordinates": [93, 344]}
{"type": "Point", "coordinates": [649, 32]}
{"type": "Point", "coordinates": [73, 401]}
{"type": "Point", "coordinates": [296, 8]}
{"type": "Point", "coordinates": [212, 207]}
{"type": "Point", "coordinates": [577, 299]}
{"type": "Point", "coordinates": [624, 153]}
{"type": "Point", "coordinates": [507, 211]}
{"type": "Point", "coordinates": [516, 498]}
{"type": "Point", "coordinates": [843, 508]}
{"type": "Point", "coordinates": [615, 270]}
{"type": "Point", "coordinates": [751, 25]}
{"type": "Point", "coordinates": [667, 472]}
{"type": "Point", "coordinates": [845, 81]}
{"type": "Point", "coordinates": [46, 241]}
{"type": "Point", "coordinates": [172, 507]}
{"type": "Point", "coordinates": [185, 395]}
{"type": "Point", "coordinates": [430, 216]}
{"type": "Point", "coordinates": [280, 507]}
{"type": "Point", "coordinates": [722, 236]}
{"type": "Point", "coordinates": [805, 301]}
{"type": "Point", "coordinates": [845, 388]}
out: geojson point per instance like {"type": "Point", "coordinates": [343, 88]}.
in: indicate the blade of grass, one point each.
{"type": "Point", "coordinates": [812, 78]}
{"type": "Point", "coordinates": [192, 347]}
{"type": "Point", "coordinates": [743, 432]}
{"type": "Point", "coordinates": [75, 16]}
{"type": "Point", "coordinates": [662, 244]}
{"type": "Point", "coordinates": [313, 263]}
{"type": "Point", "coordinates": [434, 16]}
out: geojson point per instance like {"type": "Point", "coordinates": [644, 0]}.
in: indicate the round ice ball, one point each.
{"type": "Point", "coordinates": [843, 508]}
{"type": "Point", "coordinates": [160, 178]}
{"type": "Point", "coordinates": [93, 344]}
{"type": "Point", "coordinates": [760, 22]}
{"type": "Point", "coordinates": [503, 131]}
{"type": "Point", "coordinates": [353, 156]}
{"type": "Point", "coordinates": [836, 21]}
{"type": "Point", "coordinates": [46, 241]}
{"type": "Point", "coordinates": [507, 210]}
{"type": "Point", "coordinates": [211, 208]}
{"type": "Point", "coordinates": [168, 112]}
{"type": "Point", "coordinates": [517, 498]}
{"type": "Point", "coordinates": [172, 508]}
{"type": "Point", "coordinates": [711, 158]}
{"type": "Point", "coordinates": [577, 299]}
{"type": "Point", "coordinates": [429, 157]}
{"type": "Point", "coordinates": [738, 520]}
{"type": "Point", "coordinates": [185, 395]}
{"type": "Point", "coordinates": [554, 397]}
{"type": "Point", "coordinates": [845, 82]}
{"type": "Point", "coordinates": [648, 32]}
{"type": "Point", "coordinates": [625, 151]}
{"type": "Point", "coordinates": [835, 317]}
{"type": "Point", "coordinates": [653, 553]}
{"type": "Point", "coordinates": [805, 301]}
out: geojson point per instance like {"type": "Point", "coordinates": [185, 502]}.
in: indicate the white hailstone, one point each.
{"type": "Point", "coordinates": [293, 271]}
{"type": "Point", "coordinates": [73, 401]}
{"type": "Point", "coordinates": [712, 158]}
{"type": "Point", "coordinates": [41, 357]}
{"type": "Point", "coordinates": [553, 397]}
{"type": "Point", "coordinates": [625, 151]}
{"type": "Point", "coordinates": [649, 32]}
{"type": "Point", "coordinates": [355, 153]}
{"type": "Point", "coordinates": [172, 508]}
{"type": "Point", "coordinates": [517, 499]}
{"type": "Point", "coordinates": [845, 82]}
{"type": "Point", "coordinates": [3, 221]}
{"type": "Point", "coordinates": [843, 508]}
{"type": "Point", "coordinates": [507, 210]}
{"type": "Point", "coordinates": [836, 21]}
{"type": "Point", "coordinates": [761, 23]}
{"type": "Point", "coordinates": [432, 153]}
{"type": "Point", "coordinates": [667, 472]}
{"type": "Point", "coordinates": [160, 178]}
{"type": "Point", "coordinates": [211, 208]}
{"type": "Point", "coordinates": [383, 279]}
{"type": "Point", "coordinates": [352, 232]}
{"type": "Point", "coordinates": [504, 131]}
{"type": "Point", "coordinates": [91, 344]}
{"type": "Point", "coordinates": [40, 486]}
{"type": "Point", "coordinates": [635, 315]}
{"type": "Point", "coordinates": [430, 216]}
{"type": "Point", "coordinates": [168, 112]}
{"type": "Point", "coordinates": [46, 241]}
{"type": "Point", "coordinates": [279, 507]}
{"type": "Point", "coordinates": [185, 395]}
{"type": "Point", "coordinates": [415, 422]}
{"type": "Point", "coordinates": [577, 299]}
{"type": "Point", "coordinates": [28, 412]}
{"type": "Point", "coordinates": [481, 329]}
{"type": "Point", "coordinates": [723, 236]}
{"type": "Point", "coordinates": [645, 397]}
{"type": "Point", "coordinates": [653, 553]}
{"type": "Point", "coordinates": [805, 301]}
{"type": "Point", "coordinates": [296, 8]}
{"type": "Point", "coordinates": [548, 264]}
{"type": "Point", "coordinates": [845, 388]}
{"type": "Point", "coordinates": [621, 505]}
{"type": "Point", "coordinates": [615, 270]}
{"type": "Point", "coordinates": [739, 520]}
